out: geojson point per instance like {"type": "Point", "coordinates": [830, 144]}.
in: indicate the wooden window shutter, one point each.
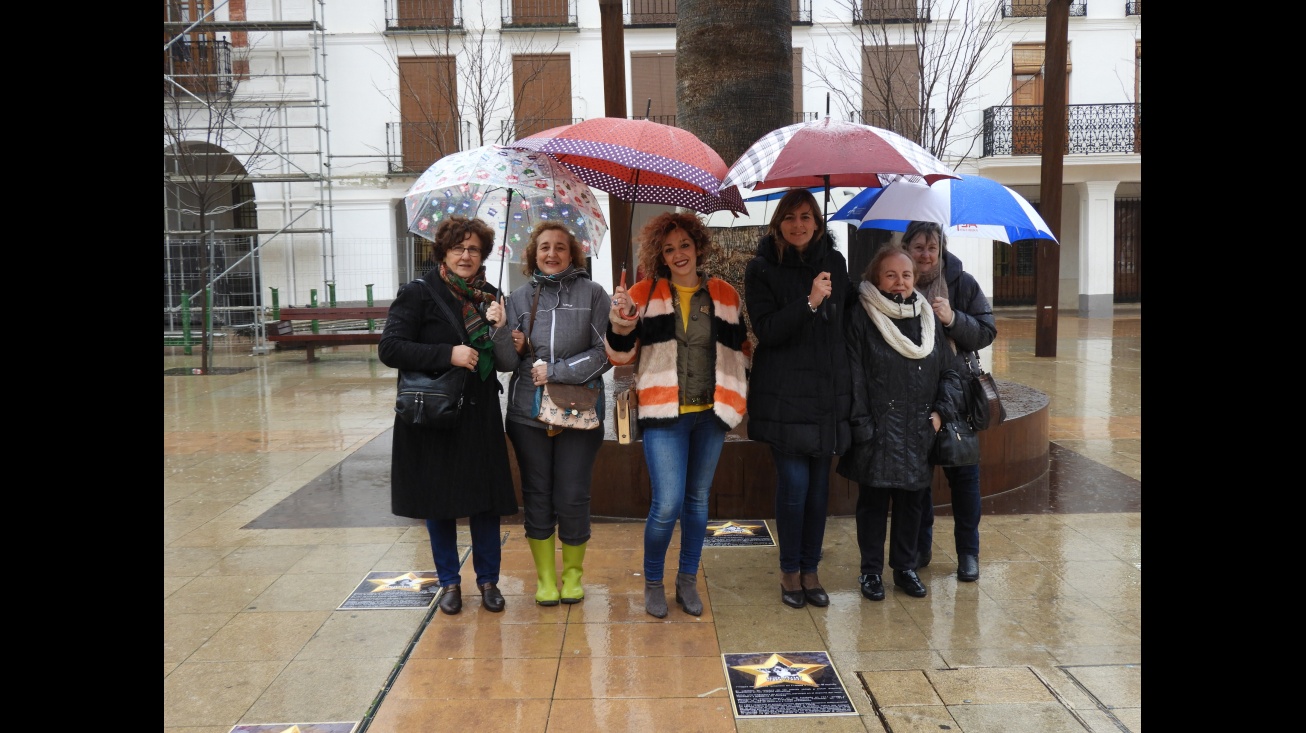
{"type": "Point", "coordinates": [653, 77]}
{"type": "Point", "coordinates": [542, 90]}
{"type": "Point", "coordinates": [798, 83]}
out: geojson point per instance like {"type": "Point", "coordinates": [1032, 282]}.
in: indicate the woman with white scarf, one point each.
{"type": "Point", "coordinates": [905, 386]}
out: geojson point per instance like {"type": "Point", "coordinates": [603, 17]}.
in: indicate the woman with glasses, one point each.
{"type": "Point", "coordinates": [554, 333]}
{"type": "Point", "coordinates": [686, 330]}
{"type": "Point", "coordinates": [443, 476]}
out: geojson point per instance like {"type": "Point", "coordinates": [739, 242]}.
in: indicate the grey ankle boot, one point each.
{"type": "Point", "coordinates": [687, 594]}
{"type": "Point", "coordinates": [655, 599]}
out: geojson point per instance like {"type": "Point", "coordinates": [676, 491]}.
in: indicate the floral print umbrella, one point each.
{"type": "Point", "coordinates": [512, 190]}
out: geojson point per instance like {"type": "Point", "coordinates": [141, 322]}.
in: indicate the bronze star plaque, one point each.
{"type": "Point", "coordinates": [785, 685]}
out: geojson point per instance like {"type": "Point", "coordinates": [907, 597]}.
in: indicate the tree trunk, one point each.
{"type": "Point", "coordinates": [734, 71]}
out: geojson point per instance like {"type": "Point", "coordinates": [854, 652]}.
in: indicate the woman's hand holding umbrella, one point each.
{"type": "Point", "coordinates": [622, 316]}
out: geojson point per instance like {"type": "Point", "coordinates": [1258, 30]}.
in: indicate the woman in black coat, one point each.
{"type": "Point", "coordinates": [462, 472]}
{"type": "Point", "coordinates": [904, 389]}
{"type": "Point", "coordinates": [799, 390]}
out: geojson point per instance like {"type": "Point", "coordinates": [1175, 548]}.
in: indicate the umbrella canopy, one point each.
{"type": "Point", "coordinates": [831, 153]}
{"type": "Point", "coordinates": [510, 189]}
{"type": "Point", "coordinates": [639, 161]}
{"type": "Point", "coordinates": [969, 206]}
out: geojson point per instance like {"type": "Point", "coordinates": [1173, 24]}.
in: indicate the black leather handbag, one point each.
{"type": "Point", "coordinates": [985, 403]}
{"type": "Point", "coordinates": [427, 399]}
{"type": "Point", "coordinates": [957, 444]}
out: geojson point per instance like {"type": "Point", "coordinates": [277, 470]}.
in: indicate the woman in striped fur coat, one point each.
{"type": "Point", "coordinates": [687, 332]}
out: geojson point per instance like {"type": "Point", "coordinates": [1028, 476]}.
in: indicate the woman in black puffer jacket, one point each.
{"type": "Point", "coordinates": [904, 388]}
{"type": "Point", "coordinates": [799, 390]}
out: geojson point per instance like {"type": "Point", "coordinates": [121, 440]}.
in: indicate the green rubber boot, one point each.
{"type": "Point", "coordinates": [546, 571]}
{"type": "Point", "coordinates": [573, 556]}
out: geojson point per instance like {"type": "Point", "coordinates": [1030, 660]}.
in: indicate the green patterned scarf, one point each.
{"type": "Point", "coordinates": [478, 329]}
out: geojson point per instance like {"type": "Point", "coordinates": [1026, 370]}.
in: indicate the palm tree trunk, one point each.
{"type": "Point", "coordinates": [734, 71]}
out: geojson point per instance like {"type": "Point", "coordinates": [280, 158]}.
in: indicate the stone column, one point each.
{"type": "Point", "coordinates": [1097, 248]}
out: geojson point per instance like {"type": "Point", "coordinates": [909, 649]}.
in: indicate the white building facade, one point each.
{"type": "Point", "coordinates": [336, 108]}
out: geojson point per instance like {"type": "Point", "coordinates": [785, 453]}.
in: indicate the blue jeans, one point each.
{"type": "Point", "coordinates": [802, 497]}
{"type": "Point", "coordinates": [681, 460]}
{"type": "Point", "coordinates": [487, 552]}
{"type": "Point", "coordinates": [965, 484]}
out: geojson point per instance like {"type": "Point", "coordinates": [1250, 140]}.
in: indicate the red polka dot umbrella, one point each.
{"type": "Point", "coordinates": [640, 161]}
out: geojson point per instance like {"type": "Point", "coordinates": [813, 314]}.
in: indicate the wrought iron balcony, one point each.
{"type": "Point", "coordinates": [671, 119]}
{"type": "Point", "coordinates": [203, 67]}
{"type": "Point", "coordinates": [411, 147]}
{"type": "Point", "coordinates": [905, 122]}
{"type": "Point", "coordinates": [662, 13]}
{"type": "Point", "coordinates": [423, 15]}
{"type": "Point", "coordinates": [510, 130]}
{"type": "Point", "coordinates": [1091, 128]}
{"type": "Point", "coordinates": [538, 13]}
{"type": "Point", "coordinates": [1039, 8]}
{"type": "Point", "coordinates": [890, 11]}
{"type": "Point", "coordinates": [1134, 7]}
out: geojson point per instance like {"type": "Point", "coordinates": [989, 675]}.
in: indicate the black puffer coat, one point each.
{"type": "Point", "coordinates": [799, 390]}
{"type": "Point", "coordinates": [892, 399]}
{"type": "Point", "coordinates": [444, 474]}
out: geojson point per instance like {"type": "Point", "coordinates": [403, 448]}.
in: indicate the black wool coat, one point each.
{"type": "Point", "coordinates": [454, 473]}
{"type": "Point", "coordinates": [799, 391]}
{"type": "Point", "coordinates": [892, 399]}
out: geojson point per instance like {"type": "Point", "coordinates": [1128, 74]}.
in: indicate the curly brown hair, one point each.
{"type": "Point", "coordinates": [454, 229]}
{"type": "Point", "coordinates": [573, 245]}
{"type": "Point", "coordinates": [654, 234]}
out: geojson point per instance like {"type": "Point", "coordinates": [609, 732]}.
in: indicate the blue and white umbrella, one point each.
{"type": "Point", "coordinates": [970, 206]}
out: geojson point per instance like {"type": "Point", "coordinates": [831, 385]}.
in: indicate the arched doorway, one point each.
{"type": "Point", "coordinates": [206, 189]}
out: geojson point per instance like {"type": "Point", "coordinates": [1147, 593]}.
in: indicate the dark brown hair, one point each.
{"type": "Point", "coordinates": [454, 229]}
{"type": "Point", "coordinates": [652, 236]}
{"type": "Point", "coordinates": [789, 203]}
{"type": "Point", "coordinates": [573, 245]}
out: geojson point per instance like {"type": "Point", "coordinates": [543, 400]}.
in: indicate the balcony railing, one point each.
{"type": "Point", "coordinates": [1039, 8]}
{"type": "Point", "coordinates": [411, 147]}
{"type": "Point", "coordinates": [538, 13]}
{"type": "Point", "coordinates": [650, 13]}
{"type": "Point", "coordinates": [510, 130]}
{"type": "Point", "coordinates": [662, 13]}
{"type": "Point", "coordinates": [890, 11]}
{"type": "Point", "coordinates": [423, 15]}
{"type": "Point", "coordinates": [1090, 128]}
{"type": "Point", "coordinates": [671, 119]}
{"type": "Point", "coordinates": [1135, 7]}
{"type": "Point", "coordinates": [203, 67]}
{"type": "Point", "coordinates": [905, 122]}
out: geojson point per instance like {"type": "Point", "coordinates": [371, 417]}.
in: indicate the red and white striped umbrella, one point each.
{"type": "Point", "coordinates": [831, 153]}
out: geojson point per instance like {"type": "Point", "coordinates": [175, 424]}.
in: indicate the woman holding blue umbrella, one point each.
{"type": "Point", "coordinates": [967, 320]}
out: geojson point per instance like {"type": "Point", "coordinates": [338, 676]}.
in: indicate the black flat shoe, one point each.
{"type": "Point", "coordinates": [793, 598]}
{"type": "Point", "coordinates": [815, 595]}
{"type": "Point", "coordinates": [872, 587]}
{"type": "Point", "coordinates": [451, 600]}
{"type": "Point", "coordinates": [909, 582]}
{"type": "Point", "coordinates": [491, 598]}
{"type": "Point", "coordinates": [968, 568]}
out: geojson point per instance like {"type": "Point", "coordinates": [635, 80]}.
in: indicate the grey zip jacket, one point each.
{"type": "Point", "coordinates": [570, 322]}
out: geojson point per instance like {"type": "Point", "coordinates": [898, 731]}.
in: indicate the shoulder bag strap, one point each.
{"type": "Point", "coordinates": [535, 304]}
{"type": "Point", "coordinates": [448, 312]}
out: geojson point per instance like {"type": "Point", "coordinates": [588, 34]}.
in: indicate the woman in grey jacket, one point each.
{"type": "Point", "coordinates": [564, 345]}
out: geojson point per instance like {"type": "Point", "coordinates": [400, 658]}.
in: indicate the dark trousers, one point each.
{"type": "Point", "coordinates": [555, 480]}
{"type": "Point", "coordinates": [487, 548]}
{"type": "Point", "coordinates": [872, 517]}
{"type": "Point", "coordinates": [802, 499]}
{"type": "Point", "coordinates": [964, 481]}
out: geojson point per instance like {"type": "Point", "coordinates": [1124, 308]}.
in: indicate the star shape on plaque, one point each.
{"type": "Point", "coordinates": [732, 527]}
{"type": "Point", "coordinates": [407, 581]}
{"type": "Point", "coordinates": [292, 729]}
{"type": "Point", "coordinates": [780, 671]}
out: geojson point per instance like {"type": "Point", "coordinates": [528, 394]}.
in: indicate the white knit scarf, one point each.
{"type": "Point", "coordinates": [881, 309]}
